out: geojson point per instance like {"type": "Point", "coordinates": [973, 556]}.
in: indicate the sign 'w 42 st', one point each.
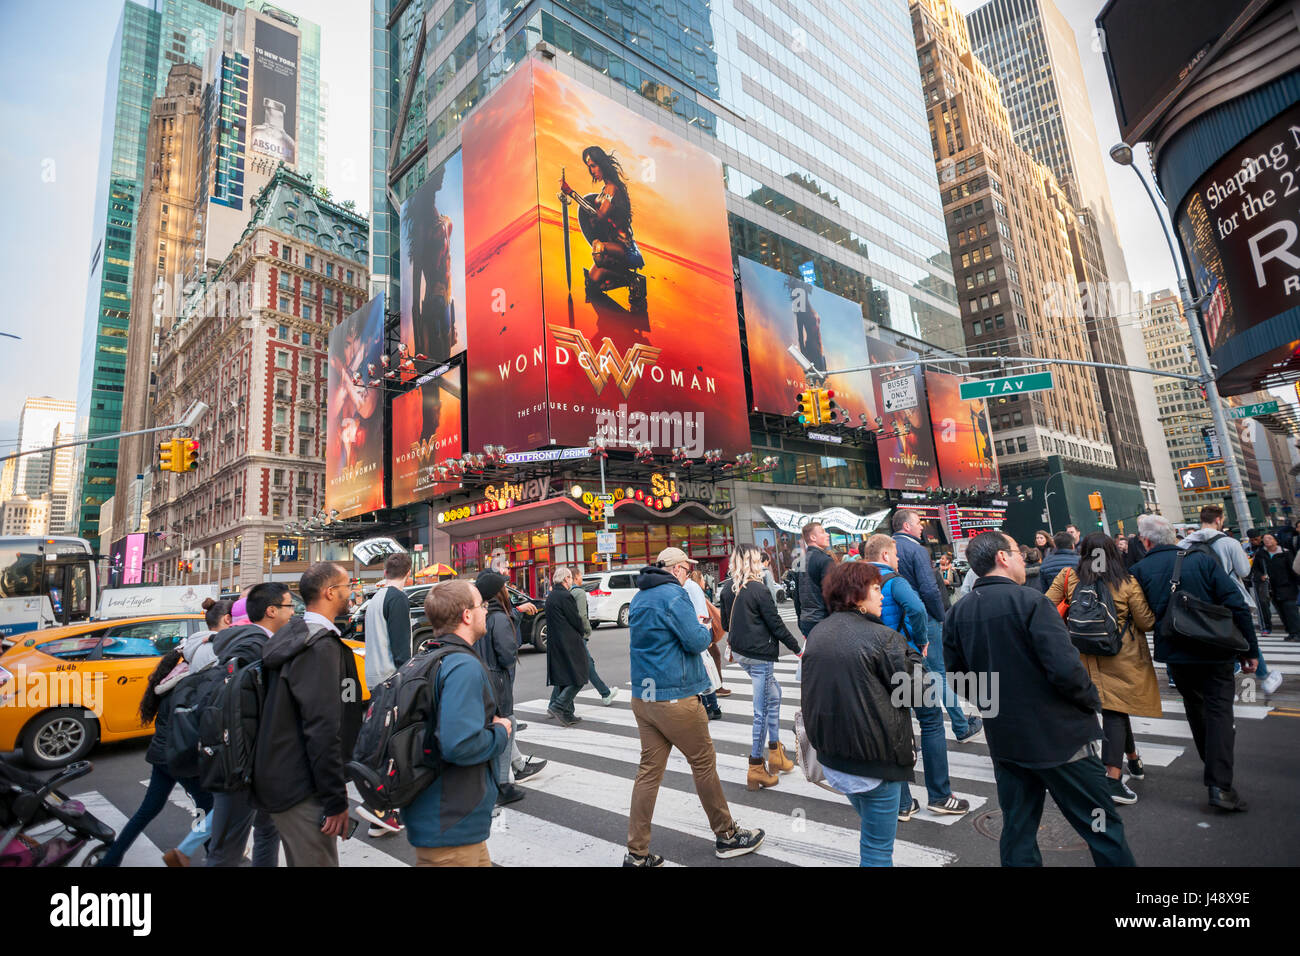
{"type": "Point", "coordinates": [1012, 385]}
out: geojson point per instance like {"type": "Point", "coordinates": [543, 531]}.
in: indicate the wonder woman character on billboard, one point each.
{"type": "Point", "coordinates": [605, 218]}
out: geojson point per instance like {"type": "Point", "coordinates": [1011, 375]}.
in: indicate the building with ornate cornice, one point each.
{"type": "Point", "coordinates": [252, 343]}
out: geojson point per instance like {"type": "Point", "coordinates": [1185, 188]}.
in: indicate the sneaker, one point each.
{"type": "Point", "coordinates": [739, 843]}
{"type": "Point", "coordinates": [913, 810]}
{"type": "Point", "coordinates": [650, 859]}
{"type": "Point", "coordinates": [1119, 791]}
{"type": "Point", "coordinates": [520, 726]}
{"type": "Point", "coordinates": [381, 824]}
{"type": "Point", "coordinates": [974, 726]}
{"type": "Point", "coordinates": [510, 794]}
{"type": "Point", "coordinates": [532, 766]}
{"type": "Point", "coordinates": [952, 806]}
{"type": "Point", "coordinates": [1135, 768]}
{"type": "Point", "coordinates": [610, 697]}
{"type": "Point", "coordinates": [1272, 682]}
{"type": "Point", "coordinates": [715, 713]}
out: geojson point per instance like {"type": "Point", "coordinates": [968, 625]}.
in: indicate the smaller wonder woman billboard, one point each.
{"type": "Point", "coordinates": [354, 445]}
{"type": "Point", "coordinates": [426, 432]}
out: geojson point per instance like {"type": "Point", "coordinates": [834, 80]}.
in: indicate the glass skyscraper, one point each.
{"type": "Point", "coordinates": [150, 38]}
{"type": "Point", "coordinates": [814, 110]}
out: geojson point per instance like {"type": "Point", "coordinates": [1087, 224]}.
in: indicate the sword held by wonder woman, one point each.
{"type": "Point", "coordinates": [568, 258]}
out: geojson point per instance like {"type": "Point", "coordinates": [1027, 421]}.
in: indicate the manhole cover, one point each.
{"type": "Point", "coordinates": [1054, 833]}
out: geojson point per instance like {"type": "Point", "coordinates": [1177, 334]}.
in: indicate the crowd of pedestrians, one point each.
{"type": "Point", "coordinates": [1059, 669]}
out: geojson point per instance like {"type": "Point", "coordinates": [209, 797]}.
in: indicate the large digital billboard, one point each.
{"type": "Point", "coordinates": [354, 447]}
{"type": "Point", "coordinates": [433, 265]}
{"type": "Point", "coordinates": [781, 311]}
{"type": "Point", "coordinates": [963, 437]}
{"type": "Point", "coordinates": [273, 102]}
{"type": "Point", "coordinates": [426, 432]}
{"type": "Point", "coordinates": [907, 460]}
{"type": "Point", "coordinates": [1238, 228]}
{"type": "Point", "coordinates": [632, 315]}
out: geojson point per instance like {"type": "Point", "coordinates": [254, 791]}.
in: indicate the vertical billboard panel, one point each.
{"type": "Point", "coordinates": [133, 559]}
{"type": "Point", "coordinates": [273, 104]}
{"type": "Point", "coordinates": [639, 293]}
{"type": "Point", "coordinates": [963, 438]}
{"type": "Point", "coordinates": [503, 281]}
{"type": "Point", "coordinates": [907, 460]}
{"type": "Point", "coordinates": [781, 311]}
{"type": "Point", "coordinates": [433, 265]}
{"type": "Point", "coordinates": [426, 432]}
{"type": "Point", "coordinates": [354, 464]}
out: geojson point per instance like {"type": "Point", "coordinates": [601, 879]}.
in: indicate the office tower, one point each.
{"type": "Point", "coordinates": [37, 427]}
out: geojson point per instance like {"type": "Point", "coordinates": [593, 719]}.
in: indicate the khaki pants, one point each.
{"type": "Point", "coordinates": [304, 844]}
{"type": "Point", "coordinates": [664, 725]}
{"type": "Point", "coordinates": [473, 854]}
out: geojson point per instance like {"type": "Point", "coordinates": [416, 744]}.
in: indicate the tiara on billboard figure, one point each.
{"type": "Point", "coordinates": [269, 136]}
{"type": "Point", "coordinates": [605, 218]}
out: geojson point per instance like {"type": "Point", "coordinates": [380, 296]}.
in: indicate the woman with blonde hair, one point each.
{"type": "Point", "coordinates": [756, 631]}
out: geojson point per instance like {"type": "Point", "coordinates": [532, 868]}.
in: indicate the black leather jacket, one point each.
{"type": "Point", "coordinates": [754, 626]}
{"type": "Point", "coordinates": [850, 667]}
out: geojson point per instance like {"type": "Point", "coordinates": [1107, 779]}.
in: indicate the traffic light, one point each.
{"type": "Point", "coordinates": [1094, 501]}
{"type": "Point", "coordinates": [808, 407]}
{"type": "Point", "coordinates": [189, 457]}
{"type": "Point", "coordinates": [167, 456]}
{"type": "Point", "coordinates": [597, 509]}
{"type": "Point", "coordinates": [825, 407]}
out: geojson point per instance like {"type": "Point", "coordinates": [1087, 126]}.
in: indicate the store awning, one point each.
{"type": "Point", "coordinates": [532, 515]}
{"type": "Point", "coordinates": [685, 512]}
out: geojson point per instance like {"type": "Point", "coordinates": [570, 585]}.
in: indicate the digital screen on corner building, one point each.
{"type": "Point", "coordinates": [433, 266]}
{"type": "Point", "coordinates": [963, 438]}
{"type": "Point", "coordinates": [273, 101]}
{"type": "Point", "coordinates": [426, 432]}
{"type": "Point", "coordinates": [599, 284]}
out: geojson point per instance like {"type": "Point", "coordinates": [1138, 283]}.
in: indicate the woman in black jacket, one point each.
{"type": "Point", "coordinates": [155, 706]}
{"type": "Point", "coordinates": [755, 631]}
{"type": "Point", "coordinates": [862, 739]}
{"type": "Point", "coordinates": [499, 648]}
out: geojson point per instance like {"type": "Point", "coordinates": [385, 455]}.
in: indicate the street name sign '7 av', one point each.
{"type": "Point", "coordinates": [1012, 385]}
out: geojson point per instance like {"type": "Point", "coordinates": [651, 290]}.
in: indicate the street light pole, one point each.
{"type": "Point", "coordinates": [1123, 154]}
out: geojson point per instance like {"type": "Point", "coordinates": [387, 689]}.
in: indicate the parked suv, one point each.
{"type": "Point", "coordinates": [609, 595]}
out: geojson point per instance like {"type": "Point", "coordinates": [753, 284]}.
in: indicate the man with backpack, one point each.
{"type": "Point", "coordinates": [269, 607]}
{"type": "Point", "coordinates": [818, 561]}
{"type": "Point", "coordinates": [901, 609]}
{"type": "Point", "coordinates": [388, 647]}
{"type": "Point", "coordinates": [309, 721]}
{"type": "Point", "coordinates": [1202, 670]}
{"type": "Point", "coordinates": [448, 823]}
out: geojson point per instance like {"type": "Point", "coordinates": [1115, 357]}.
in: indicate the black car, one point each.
{"type": "Point", "coordinates": [532, 627]}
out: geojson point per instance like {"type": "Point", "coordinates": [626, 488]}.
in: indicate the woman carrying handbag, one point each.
{"type": "Point", "coordinates": [756, 633]}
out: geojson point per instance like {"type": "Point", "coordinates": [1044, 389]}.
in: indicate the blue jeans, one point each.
{"type": "Point", "coordinates": [878, 811]}
{"type": "Point", "coordinates": [767, 702]}
{"type": "Point", "coordinates": [562, 699]}
{"type": "Point", "coordinates": [197, 836]}
{"type": "Point", "coordinates": [601, 687]}
{"type": "Point", "coordinates": [155, 798]}
{"type": "Point", "coordinates": [934, 664]}
{"type": "Point", "coordinates": [934, 757]}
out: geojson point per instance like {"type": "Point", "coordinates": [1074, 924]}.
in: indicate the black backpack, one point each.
{"type": "Point", "coordinates": [396, 755]}
{"type": "Point", "coordinates": [228, 724]}
{"type": "Point", "coordinates": [1093, 622]}
{"type": "Point", "coordinates": [189, 697]}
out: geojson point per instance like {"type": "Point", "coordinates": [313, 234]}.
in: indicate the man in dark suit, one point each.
{"type": "Point", "coordinates": [567, 666]}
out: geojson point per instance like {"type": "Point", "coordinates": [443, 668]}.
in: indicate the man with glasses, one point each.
{"type": "Point", "coordinates": [269, 608]}
{"type": "Point", "coordinates": [449, 822]}
{"type": "Point", "coordinates": [310, 719]}
{"type": "Point", "coordinates": [1041, 719]}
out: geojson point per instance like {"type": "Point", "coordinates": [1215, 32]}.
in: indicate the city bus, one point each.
{"type": "Point", "coordinates": [45, 582]}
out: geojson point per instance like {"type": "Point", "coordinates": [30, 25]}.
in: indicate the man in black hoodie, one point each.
{"type": "Point", "coordinates": [309, 723]}
{"type": "Point", "coordinates": [233, 816]}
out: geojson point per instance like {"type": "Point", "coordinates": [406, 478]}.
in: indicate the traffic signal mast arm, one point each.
{"type": "Point", "coordinates": [190, 419]}
{"type": "Point", "coordinates": [1019, 361]}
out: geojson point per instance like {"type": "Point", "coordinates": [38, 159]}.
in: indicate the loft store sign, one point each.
{"type": "Point", "coordinates": [839, 518]}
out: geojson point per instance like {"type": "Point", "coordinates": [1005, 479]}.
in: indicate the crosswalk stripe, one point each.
{"type": "Point", "coordinates": [520, 839]}
{"type": "Point", "coordinates": [789, 838]}
{"type": "Point", "coordinates": [732, 768]}
{"type": "Point", "coordinates": [143, 852]}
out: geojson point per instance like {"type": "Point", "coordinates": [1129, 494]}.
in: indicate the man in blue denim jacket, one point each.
{"type": "Point", "coordinates": [666, 642]}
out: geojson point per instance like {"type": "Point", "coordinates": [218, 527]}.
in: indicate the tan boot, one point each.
{"type": "Point", "coordinates": [176, 858]}
{"type": "Point", "coordinates": [758, 775]}
{"type": "Point", "coordinates": [777, 760]}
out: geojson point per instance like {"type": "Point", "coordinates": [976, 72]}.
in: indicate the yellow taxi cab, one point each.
{"type": "Point", "coordinates": [64, 689]}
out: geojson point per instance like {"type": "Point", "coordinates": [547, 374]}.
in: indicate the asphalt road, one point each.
{"type": "Point", "coordinates": [1169, 826]}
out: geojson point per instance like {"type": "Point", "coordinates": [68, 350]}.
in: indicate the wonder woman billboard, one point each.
{"type": "Point", "coordinates": [632, 314]}
{"type": "Point", "coordinates": [426, 432]}
{"type": "Point", "coordinates": [354, 446]}
{"type": "Point", "coordinates": [781, 311]}
{"type": "Point", "coordinates": [963, 438]}
{"type": "Point", "coordinates": [905, 443]}
{"type": "Point", "coordinates": [433, 267]}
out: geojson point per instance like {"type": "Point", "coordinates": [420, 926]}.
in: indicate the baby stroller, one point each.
{"type": "Point", "coordinates": [39, 826]}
